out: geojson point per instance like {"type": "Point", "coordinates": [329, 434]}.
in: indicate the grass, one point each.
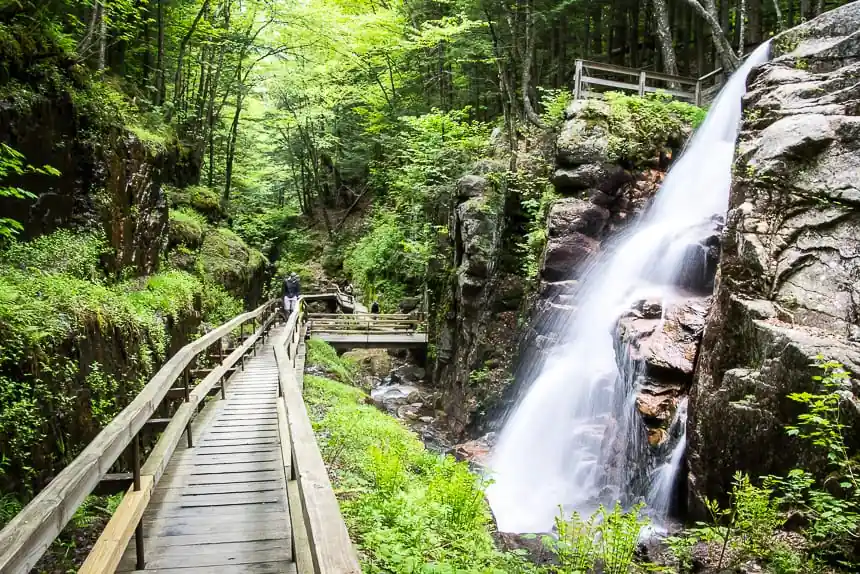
{"type": "Point", "coordinates": [407, 510]}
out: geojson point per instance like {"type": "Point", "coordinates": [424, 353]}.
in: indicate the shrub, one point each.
{"type": "Point", "coordinates": [407, 510]}
{"type": "Point", "coordinates": [323, 355]}
{"type": "Point", "coordinates": [640, 127]}
{"type": "Point", "coordinates": [62, 252]}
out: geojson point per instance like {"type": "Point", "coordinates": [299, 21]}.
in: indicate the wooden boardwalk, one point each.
{"type": "Point", "coordinates": [221, 506]}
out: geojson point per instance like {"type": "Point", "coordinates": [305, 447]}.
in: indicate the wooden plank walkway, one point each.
{"type": "Point", "coordinates": [221, 506]}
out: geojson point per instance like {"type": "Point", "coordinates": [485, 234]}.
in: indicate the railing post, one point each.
{"type": "Point", "coordinates": [698, 98]}
{"type": "Point", "coordinates": [220, 344]}
{"type": "Point", "coordinates": [642, 83]}
{"type": "Point", "coordinates": [242, 341]}
{"type": "Point", "coordinates": [577, 81]}
{"type": "Point", "coordinates": [139, 550]}
{"type": "Point", "coordinates": [253, 330]}
{"type": "Point", "coordinates": [187, 377]}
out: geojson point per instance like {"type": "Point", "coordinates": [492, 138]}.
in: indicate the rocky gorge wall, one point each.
{"type": "Point", "coordinates": [787, 287]}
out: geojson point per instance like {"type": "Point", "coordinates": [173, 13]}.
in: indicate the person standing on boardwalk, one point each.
{"type": "Point", "coordinates": [292, 290]}
{"type": "Point", "coordinates": [375, 308]}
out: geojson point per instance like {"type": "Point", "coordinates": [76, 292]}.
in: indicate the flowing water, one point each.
{"type": "Point", "coordinates": [553, 450]}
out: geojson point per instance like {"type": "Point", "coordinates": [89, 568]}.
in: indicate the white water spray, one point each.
{"type": "Point", "coordinates": [553, 450]}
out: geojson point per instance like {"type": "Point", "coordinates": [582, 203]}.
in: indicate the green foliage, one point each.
{"type": "Point", "coordinates": [12, 163]}
{"type": "Point", "coordinates": [607, 536]}
{"type": "Point", "coordinates": [832, 506]}
{"type": "Point", "coordinates": [62, 252]}
{"type": "Point", "coordinates": [829, 510]}
{"type": "Point", "coordinates": [408, 511]}
{"type": "Point", "coordinates": [323, 355]}
{"type": "Point", "coordinates": [639, 127]}
{"type": "Point", "coordinates": [554, 103]}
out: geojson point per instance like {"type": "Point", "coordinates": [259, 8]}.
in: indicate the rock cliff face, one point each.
{"type": "Point", "coordinates": [477, 335]}
{"type": "Point", "coordinates": [788, 277]}
{"type": "Point", "coordinates": [107, 175]}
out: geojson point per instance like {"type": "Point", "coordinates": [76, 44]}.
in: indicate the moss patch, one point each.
{"type": "Point", "coordinates": [186, 228]}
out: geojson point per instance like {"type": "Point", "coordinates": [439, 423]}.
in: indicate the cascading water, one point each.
{"type": "Point", "coordinates": [553, 450]}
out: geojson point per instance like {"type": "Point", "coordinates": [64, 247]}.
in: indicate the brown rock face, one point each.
{"type": "Point", "coordinates": [788, 287]}
{"type": "Point", "coordinates": [666, 343]}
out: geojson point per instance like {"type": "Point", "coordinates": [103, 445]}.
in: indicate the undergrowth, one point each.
{"type": "Point", "coordinates": [75, 348]}
{"type": "Point", "coordinates": [407, 510]}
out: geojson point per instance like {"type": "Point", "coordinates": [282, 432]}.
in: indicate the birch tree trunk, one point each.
{"type": "Point", "coordinates": [102, 38]}
{"type": "Point", "coordinates": [664, 36]}
{"type": "Point", "coordinates": [741, 21]}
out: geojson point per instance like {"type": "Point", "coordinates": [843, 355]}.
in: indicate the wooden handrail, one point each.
{"type": "Point", "coordinates": [36, 526]}
{"type": "Point", "coordinates": [321, 541]}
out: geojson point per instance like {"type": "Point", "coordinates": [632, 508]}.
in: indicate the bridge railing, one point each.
{"type": "Point", "coordinates": [321, 542]}
{"type": "Point", "coordinates": [369, 323]}
{"type": "Point", "coordinates": [25, 539]}
{"type": "Point", "coordinates": [591, 75]}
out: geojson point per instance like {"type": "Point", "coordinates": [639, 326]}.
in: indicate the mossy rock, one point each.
{"type": "Point", "coordinates": [229, 261]}
{"type": "Point", "coordinates": [187, 228]}
{"type": "Point", "coordinates": [202, 199]}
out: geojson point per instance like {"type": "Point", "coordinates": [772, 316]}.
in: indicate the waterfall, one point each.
{"type": "Point", "coordinates": [558, 446]}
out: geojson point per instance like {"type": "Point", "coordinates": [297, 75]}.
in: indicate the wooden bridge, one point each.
{"type": "Point", "coordinates": [222, 468]}
{"type": "Point", "coordinates": [369, 331]}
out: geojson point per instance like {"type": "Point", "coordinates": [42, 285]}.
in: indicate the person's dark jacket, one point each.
{"type": "Point", "coordinates": [374, 308]}
{"type": "Point", "coordinates": [291, 287]}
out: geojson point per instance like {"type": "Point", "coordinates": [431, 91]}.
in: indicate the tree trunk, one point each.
{"type": "Point", "coordinates": [231, 148]}
{"type": "Point", "coordinates": [724, 48]}
{"type": "Point", "coordinates": [183, 45]}
{"type": "Point", "coordinates": [780, 23]}
{"type": "Point", "coordinates": [664, 36]}
{"type": "Point", "coordinates": [160, 87]}
{"type": "Point", "coordinates": [742, 16]}
{"type": "Point", "coordinates": [804, 10]}
{"type": "Point", "coordinates": [528, 110]}
{"type": "Point", "coordinates": [753, 11]}
{"type": "Point", "coordinates": [102, 37]}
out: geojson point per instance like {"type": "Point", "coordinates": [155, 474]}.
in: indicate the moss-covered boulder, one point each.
{"type": "Point", "coordinates": [186, 228]}
{"type": "Point", "coordinates": [230, 262]}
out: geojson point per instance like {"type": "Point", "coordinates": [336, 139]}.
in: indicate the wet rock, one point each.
{"type": "Point", "coordinates": [391, 397]}
{"type": "Point", "coordinates": [656, 408]}
{"type": "Point", "coordinates": [571, 215]}
{"type": "Point", "coordinates": [700, 260]}
{"type": "Point", "coordinates": [531, 544]}
{"type": "Point", "coordinates": [789, 264]}
{"type": "Point", "coordinates": [373, 362]}
{"type": "Point", "coordinates": [409, 374]}
{"type": "Point", "coordinates": [668, 346]}
{"type": "Point", "coordinates": [563, 255]}
{"type": "Point", "coordinates": [476, 451]}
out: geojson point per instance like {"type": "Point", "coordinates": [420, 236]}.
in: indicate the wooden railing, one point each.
{"type": "Point", "coordinates": [321, 542]}
{"type": "Point", "coordinates": [36, 526]}
{"type": "Point", "coordinates": [366, 323]}
{"type": "Point", "coordinates": [588, 74]}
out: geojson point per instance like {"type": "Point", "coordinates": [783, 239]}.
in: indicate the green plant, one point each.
{"type": "Point", "coordinates": [408, 511]}
{"type": "Point", "coordinates": [575, 544]}
{"type": "Point", "coordinates": [321, 354]}
{"type": "Point", "coordinates": [12, 164]}
{"type": "Point", "coordinates": [618, 536]}
{"type": "Point", "coordinates": [554, 103]}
